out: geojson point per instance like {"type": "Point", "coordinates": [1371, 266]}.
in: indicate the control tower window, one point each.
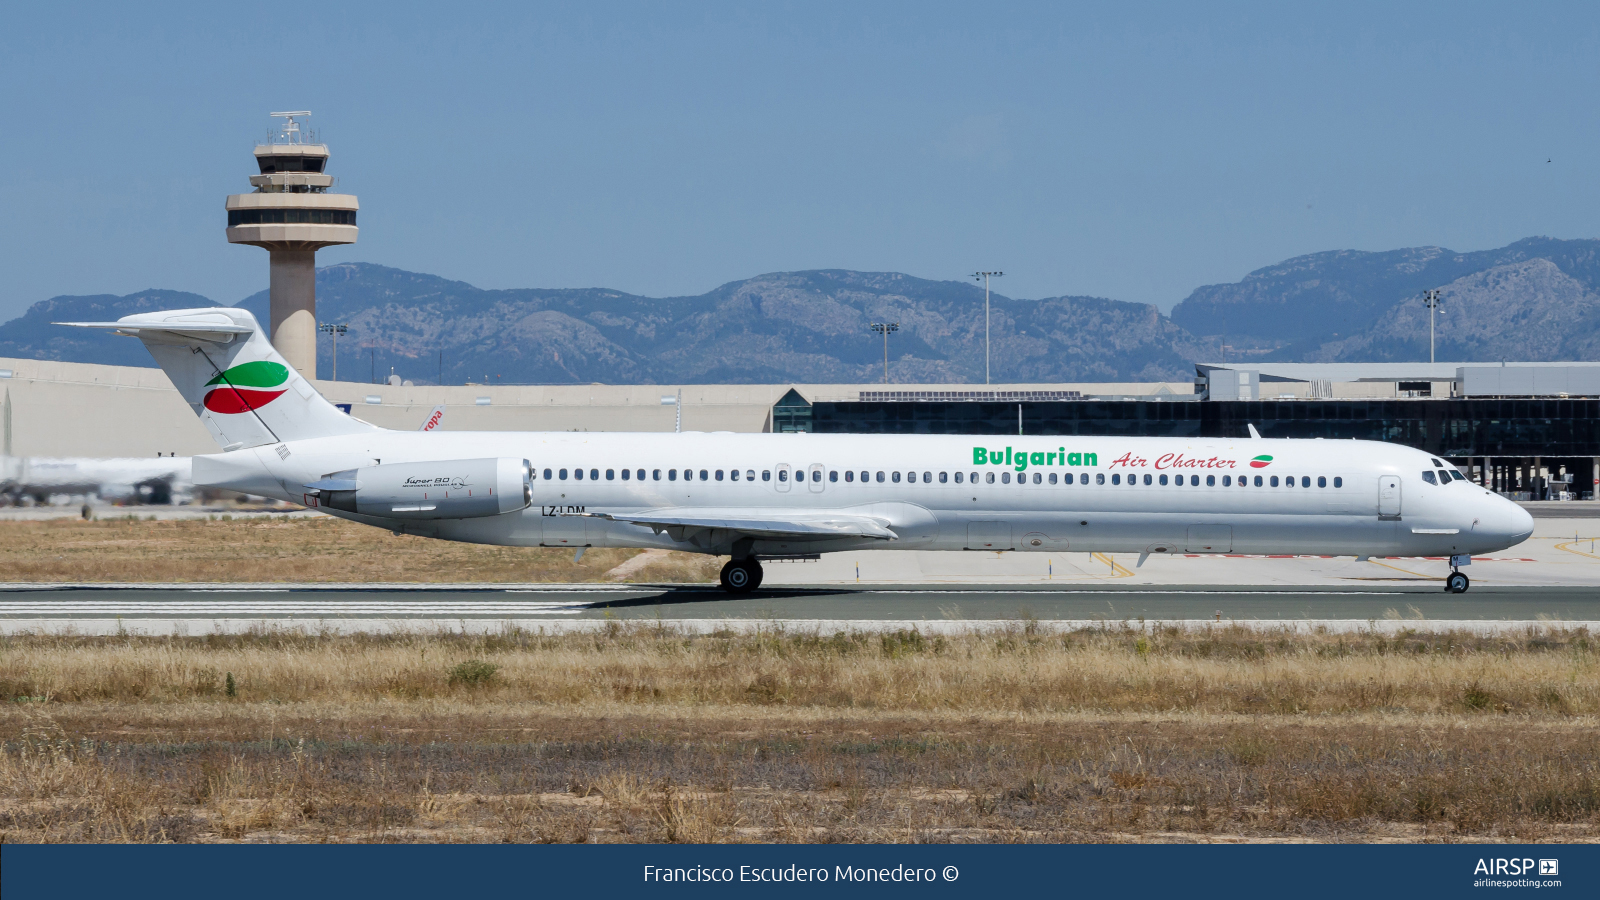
{"type": "Point", "coordinates": [271, 165]}
{"type": "Point", "coordinates": [291, 217]}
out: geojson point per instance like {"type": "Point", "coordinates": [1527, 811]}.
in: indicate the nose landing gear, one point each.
{"type": "Point", "coordinates": [741, 576]}
{"type": "Point", "coordinates": [1458, 582]}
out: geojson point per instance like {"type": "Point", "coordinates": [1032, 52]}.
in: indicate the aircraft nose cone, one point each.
{"type": "Point", "coordinates": [1506, 523]}
{"type": "Point", "coordinates": [1521, 524]}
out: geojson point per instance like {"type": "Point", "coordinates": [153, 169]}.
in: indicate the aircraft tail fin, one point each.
{"type": "Point", "coordinates": [220, 360]}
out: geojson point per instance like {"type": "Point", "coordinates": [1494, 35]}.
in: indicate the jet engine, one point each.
{"type": "Point", "coordinates": [440, 489]}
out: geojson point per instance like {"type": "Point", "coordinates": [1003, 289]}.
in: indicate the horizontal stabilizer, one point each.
{"type": "Point", "coordinates": [220, 331]}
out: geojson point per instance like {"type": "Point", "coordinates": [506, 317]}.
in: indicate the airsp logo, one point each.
{"type": "Point", "coordinates": [1515, 867]}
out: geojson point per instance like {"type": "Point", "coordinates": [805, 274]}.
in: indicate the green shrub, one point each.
{"type": "Point", "coordinates": [473, 673]}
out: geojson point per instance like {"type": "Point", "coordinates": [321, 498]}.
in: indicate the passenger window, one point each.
{"type": "Point", "coordinates": [988, 477]}
{"type": "Point", "coordinates": [894, 477]}
{"type": "Point", "coordinates": [1115, 479]}
{"type": "Point", "coordinates": [866, 477]}
{"type": "Point", "coordinates": [703, 474]}
{"type": "Point", "coordinates": [1289, 482]}
{"type": "Point", "coordinates": [958, 478]}
{"type": "Point", "coordinates": [594, 474]}
{"type": "Point", "coordinates": [766, 474]}
{"type": "Point", "coordinates": [1305, 481]}
{"type": "Point", "coordinates": [1258, 481]}
{"type": "Point", "coordinates": [1274, 481]}
{"type": "Point", "coordinates": [944, 477]}
{"type": "Point", "coordinates": [1163, 479]}
{"type": "Point", "coordinates": [563, 474]}
{"type": "Point", "coordinates": [1194, 480]}
{"type": "Point", "coordinates": [850, 476]}
{"type": "Point", "coordinates": [783, 474]}
{"type": "Point", "coordinates": [1052, 478]}
{"type": "Point", "coordinates": [817, 475]}
{"type": "Point", "coordinates": [1037, 478]}
{"type": "Point", "coordinates": [974, 478]}
{"type": "Point", "coordinates": [927, 478]}
{"type": "Point", "coordinates": [626, 473]}
{"type": "Point", "coordinates": [749, 474]}
{"type": "Point", "coordinates": [719, 474]}
{"type": "Point", "coordinates": [611, 474]}
{"type": "Point", "coordinates": [1338, 482]}
{"type": "Point", "coordinates": [1428, 477]}
{"type": "Point", "coordinates": [1211, 481]}
{"type": "Point", "coordinates": [1147, 479]}
{"type": "Point", "coordinates": [546, 474]}
{"type": "Point", "coordinates": [1005, 477]}
{"type": "Point", "coordinates": [833, 476]}
{"type": "Point", "coordinates": [733, 474]}
{"type": "Point", "coordinates": [880, 478]}
{"type": "Point", "coordinates": [1322, 481]}
{"type": "Point", "coordinates": [672, 474]}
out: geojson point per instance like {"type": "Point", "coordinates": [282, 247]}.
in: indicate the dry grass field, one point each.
{"type": "Point", "coordinates": [321, 548]}
{"type": "Point", "coordinates": [641, 733]}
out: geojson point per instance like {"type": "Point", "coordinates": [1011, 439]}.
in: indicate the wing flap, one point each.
{"type": "Point", "coordinates": [757, 523]}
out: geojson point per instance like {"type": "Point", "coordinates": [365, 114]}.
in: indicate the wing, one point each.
{"type": "Point", "coordinates": [765, 523]}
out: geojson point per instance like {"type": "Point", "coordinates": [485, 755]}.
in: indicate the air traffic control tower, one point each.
{"type": "Point", "coordinates": [292, 215]}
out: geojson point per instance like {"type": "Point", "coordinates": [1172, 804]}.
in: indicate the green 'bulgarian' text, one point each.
{"type": "Point", "coordinates": [1022, 459]}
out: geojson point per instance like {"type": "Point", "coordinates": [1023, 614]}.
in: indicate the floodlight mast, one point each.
{"type": "Point", "coordinates": [986, 276]}
{"type": "Point", "coordinates": [334, 329]}
{"type": "Point", "coordinates": [885, 329]}
{"type": "Point", "coordinates": [1431, 300]}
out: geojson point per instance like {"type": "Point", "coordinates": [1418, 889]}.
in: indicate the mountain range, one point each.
{"type": "Point", "coordinates": [1537, 299]}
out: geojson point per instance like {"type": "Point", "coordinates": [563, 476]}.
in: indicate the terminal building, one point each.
{"type": "Point", "coordinates": [1530, 444]}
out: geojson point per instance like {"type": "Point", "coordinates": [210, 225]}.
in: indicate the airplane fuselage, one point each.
{"type": "Point", "coordinates": [935, 492]}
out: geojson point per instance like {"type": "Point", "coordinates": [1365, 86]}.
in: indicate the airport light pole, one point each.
{"type": "Point", "coordinates": [885, 329]}
{"type": "Point", "coordinates": [1431, 300]}
{"type": "Point", "coordinates": [334, 330]}
{"type": "Point", "coordinates": [986, 276]}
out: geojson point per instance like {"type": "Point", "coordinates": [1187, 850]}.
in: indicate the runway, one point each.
{"type": "Point", "coordinates": [228, 608]}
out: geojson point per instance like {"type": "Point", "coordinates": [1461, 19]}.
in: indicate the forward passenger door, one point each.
{"type": "Point", "coordinates": [1389, 497]}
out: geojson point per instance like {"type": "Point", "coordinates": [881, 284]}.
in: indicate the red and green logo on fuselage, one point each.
{"type": "Point", "coordinates": [246, 386]}
{"type": "Point", "coordinates": [1260, 462]}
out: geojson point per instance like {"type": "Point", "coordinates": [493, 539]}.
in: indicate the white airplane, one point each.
{"type": "Point", "coordinates": [138, 479]}
{"type": "Point", "coordinates": [764, 496]}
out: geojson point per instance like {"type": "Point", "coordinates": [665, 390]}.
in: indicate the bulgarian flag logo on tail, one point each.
{"type": "Point", "coordinates": [247, 386]}
{"type": "Point", "coordinates": [1261, 462]}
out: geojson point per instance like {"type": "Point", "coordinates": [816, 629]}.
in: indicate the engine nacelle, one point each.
{"type": "Point", "coordinates": [439, 489]}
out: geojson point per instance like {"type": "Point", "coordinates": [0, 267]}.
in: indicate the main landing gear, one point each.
{"type": "Point", "coordinates": [741, 576]}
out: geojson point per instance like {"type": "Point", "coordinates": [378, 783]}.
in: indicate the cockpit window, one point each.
{"type": "Point", "coordinates": [1457, 476]}
{"type": "Point", "coordinates": [1427, 476]}
{"type": "Point", "coordinates": [1436, 463]}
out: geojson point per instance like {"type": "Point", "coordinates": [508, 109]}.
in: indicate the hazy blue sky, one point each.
{"type": "Point", "coordinates": [1123, 150]}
